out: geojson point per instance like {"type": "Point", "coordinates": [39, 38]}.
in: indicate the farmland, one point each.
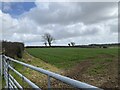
{"type": "Point", "coordinates": [67, 57]}
{"type": "Point", "coordinates": [96, 66]}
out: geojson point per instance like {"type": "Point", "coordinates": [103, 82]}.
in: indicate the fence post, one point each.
{"type": "Point", "coordinates": [1, 71]}
{"type": "Point", "coordinates": [8, 73]}
{"type": "Point", "coordinates": [2, 65]}
{"type": "Point", "coordinates": [49, 86]}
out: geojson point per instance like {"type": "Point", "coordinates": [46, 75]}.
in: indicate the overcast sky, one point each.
{"type": "Point", "coordinates": [82, 23]}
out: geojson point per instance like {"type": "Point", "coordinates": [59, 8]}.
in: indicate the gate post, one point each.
{"type": "Point", "coordinates": [7, 73]}
{"type": "Point", "coordinates": [1, 72]}
{"type": "Point", "coordinates": [2, 65]}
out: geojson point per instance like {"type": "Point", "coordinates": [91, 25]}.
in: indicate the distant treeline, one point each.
{"type": "Point", "coordinates": [13, 49]}
{"type": "Point", "coordinates": [80, 46]}
{"type": "Point", "coordinates": [108, 45]}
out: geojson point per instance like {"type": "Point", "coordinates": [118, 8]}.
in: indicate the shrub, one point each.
{"type": "Point", "coordinates": [13, 49]}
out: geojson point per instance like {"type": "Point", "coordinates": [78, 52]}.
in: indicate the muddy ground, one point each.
{"type": "Point", "coordinates": [106, 79]}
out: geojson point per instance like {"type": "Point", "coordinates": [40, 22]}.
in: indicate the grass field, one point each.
{"type": "Point", "coordinates": [34, 76]}
{"type": "Point", "coordinates": [68, 57]}
{"type": "Point", "coordinates": [95, 66]}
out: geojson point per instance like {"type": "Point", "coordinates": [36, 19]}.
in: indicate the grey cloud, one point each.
{"type": "Point", "coordinates": [79, 22]}
{"type": "Point", "coordinates": [113, 25]}
{"type": "Point", "coordinates": [27, 38]}
{"type": "Point", "coordinates": [69, 31]}
{"type": "Point", "coordinates": [114, 28]}
{"type": "Point", "coordinates": [67, 13]}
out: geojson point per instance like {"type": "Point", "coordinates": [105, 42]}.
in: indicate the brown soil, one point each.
{"type": "Point", "coordinates": [107, 80]}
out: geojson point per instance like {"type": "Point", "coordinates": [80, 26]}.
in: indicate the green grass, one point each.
{"type": "Point", "coordinates": [64, 58]}
{"type": "Point", "coordinates": [29, 73]}
{"type": "Point", "coordinates": [68, 57]}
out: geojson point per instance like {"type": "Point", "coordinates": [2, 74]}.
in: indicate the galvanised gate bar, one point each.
{"type": "Point", "coordinates": [12, 83]}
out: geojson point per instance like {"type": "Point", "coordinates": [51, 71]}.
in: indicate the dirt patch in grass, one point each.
{"type": "Point", "coordinates": [103, 74]}
{"type": "Point", "coordinates": [100, 72]}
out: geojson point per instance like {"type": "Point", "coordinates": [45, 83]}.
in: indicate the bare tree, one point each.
{"type": "Point", "coordinates": [73, 43]}
{"type": "Point", "coordinates": [45, 43]}
{"type": "Point", "coordinates": [68, 44]}
{"type": "Point", "coordinates": [48, 38]}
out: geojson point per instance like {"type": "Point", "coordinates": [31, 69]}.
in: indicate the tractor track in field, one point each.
{"type": "Point", "coordinates": [108, 80]}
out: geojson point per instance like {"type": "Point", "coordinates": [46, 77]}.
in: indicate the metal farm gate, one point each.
{"type": "Point", "coordinates": [12, 83]}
